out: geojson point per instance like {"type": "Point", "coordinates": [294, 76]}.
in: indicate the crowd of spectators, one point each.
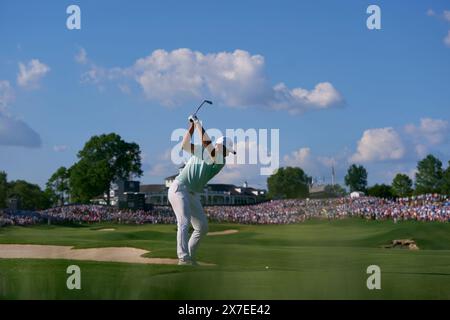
{"type": "Point", "coordinates": [19, 218]}
{"type": "Point", "coordinates": [89, 214]}
{"type": "Point", "coordinates": [428, 207]}
{"type": "Point", "coordinates": [271, 212]}
{"type": "Point", "coordinates": [99, 213]}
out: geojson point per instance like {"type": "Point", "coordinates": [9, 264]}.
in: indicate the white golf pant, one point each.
{"type": "Point", "coordinates": [188, 209]}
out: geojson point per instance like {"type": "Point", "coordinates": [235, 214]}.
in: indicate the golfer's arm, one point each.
{"type": "Point", "coordinates": [206, 140]}
{"type": "Point", "coordinates": [187, 145]}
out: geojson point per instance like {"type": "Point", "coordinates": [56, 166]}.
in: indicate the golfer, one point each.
{"type": "Point", "coordinates": [205, 162]}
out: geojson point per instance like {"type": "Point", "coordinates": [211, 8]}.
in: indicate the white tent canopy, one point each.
{"type": "Point", "coordinates": [356, 194]}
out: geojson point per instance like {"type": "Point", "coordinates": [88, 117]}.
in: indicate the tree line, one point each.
{"type": "Point", "coordinates": [103, 160]}
{"type": "Point", "coordinates": [430, 177]}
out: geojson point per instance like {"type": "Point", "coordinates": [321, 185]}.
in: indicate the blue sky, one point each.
{"type": "Point", "coordinates": [386, 101]}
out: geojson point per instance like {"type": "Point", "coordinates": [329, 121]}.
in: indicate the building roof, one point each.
{"type": "Point", "coordinates": [235, 190]}
{"type": "Point", "coordinates": [218, 187]}
{"type": "Point", "coordinates": [152, 188]}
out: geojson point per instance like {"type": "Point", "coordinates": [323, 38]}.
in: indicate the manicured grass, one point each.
{"type": "Point", "coordinates": [313, 260]}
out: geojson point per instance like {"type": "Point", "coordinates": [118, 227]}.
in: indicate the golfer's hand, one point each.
{"type": "Point", "coordinates": [193, 119]}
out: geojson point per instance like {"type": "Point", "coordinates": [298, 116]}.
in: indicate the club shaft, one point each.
{"type": "Point", "coordinates": [199, 107]}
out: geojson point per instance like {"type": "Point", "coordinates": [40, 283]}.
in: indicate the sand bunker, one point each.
{"type": "Point", "coordinates": [222, 233]}
{"type": "Point", "coordinates": [106, 229]}
{"type": "Point", "coordinates": [120, 254]}
{"type": "Point", "coordinates": [403, 244]}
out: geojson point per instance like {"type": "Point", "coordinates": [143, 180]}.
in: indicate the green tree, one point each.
{"type": "Point", "coordinates": [57, 186]}
{"type": "Point", "coordinates": [88, 180]}
{"type": "Point", "coordinates": [288, 183]}
{"type": "Point", "coordinates": [30, 196]}
{"type": "Point", "coordinates": [445, 187]}
{"type": "Point", "coordinates": [356, 178]}
{"type": "Point", "coordinates": [103, 160]}
{"type": "Point", "coordinates": [3, 189]}
{"type": "Point", "coordinates": [429, 175]}
{"type": "Point", "coordinates": [402, 185]}
{"type": "Point", "coordinates": [380, 191]}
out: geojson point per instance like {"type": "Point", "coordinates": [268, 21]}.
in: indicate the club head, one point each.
{"type": "Point", "coordinates": [204, 101]}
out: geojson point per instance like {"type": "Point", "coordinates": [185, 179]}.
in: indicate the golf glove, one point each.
{"type": "Point", "coordinates": [193, 119]}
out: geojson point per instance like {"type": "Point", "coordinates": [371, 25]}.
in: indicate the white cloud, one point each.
{"type": "Point", "coordinates": [98, 75]}
{"type": "Point", "coordinates": [387, 174]}
{"type": "Point", "coordinates": [236, 170]}
{"type": "Point", "coordinates": [60, 148]}
{"type": "Point", "coordinates": [447, 39]}
{"type": "Point", "coordinates": [239, 173]}
{"type": "Point", "coordinates": [165, 156]}
{"type": "Point", "coordinates": [298, 100]}
{"type": "Point", "coordinates": [421, 150]}
{"type": "Point", "coordinates": [6, 95]}
{"type": "Point", "coordinates": [161, 166]}
{"type": "Point", "coordinates": [432, 131]}
{"type": "Point", "coordinates": [318, 167]}
{"type": "Point", "coordinates": [15, 132]}
{"type": "Point", "coordinates": [235, 79]}
{"type": "Point", "coordinates": [300, 158]}
{"type": "Point", "coordinates": [402, 147]}
{"type": "Point", "coordinates": [30, 74]}
{"type": "Point", "coordinates": [124, 88]}
{"type": "Point", "coordinates": [81, 56]}
{"type": "Point", "coordinates": [94, 75]}
{"type": "Point", "coordinates": [183, 75]}
{"type": "Point", "coordinates": [379, 144]}
{"type": "Point", "coordinates": [327, 161]}
{"type": "Point", "coordinates": [303, 158]}
{"type": "Point", "coordinates": [446, 15]}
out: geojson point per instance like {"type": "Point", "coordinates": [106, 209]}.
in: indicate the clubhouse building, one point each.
{"type": "Point", "coordinates": [213, 194]}
{"type": "Point", "coordinates": [133, 195]}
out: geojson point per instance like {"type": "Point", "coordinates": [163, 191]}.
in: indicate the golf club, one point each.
{"type": "Point", "coordinates": [204, 101]}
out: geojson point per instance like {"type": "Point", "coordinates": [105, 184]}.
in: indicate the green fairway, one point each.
{"type": "Point", "coordinates": [313, 260]}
